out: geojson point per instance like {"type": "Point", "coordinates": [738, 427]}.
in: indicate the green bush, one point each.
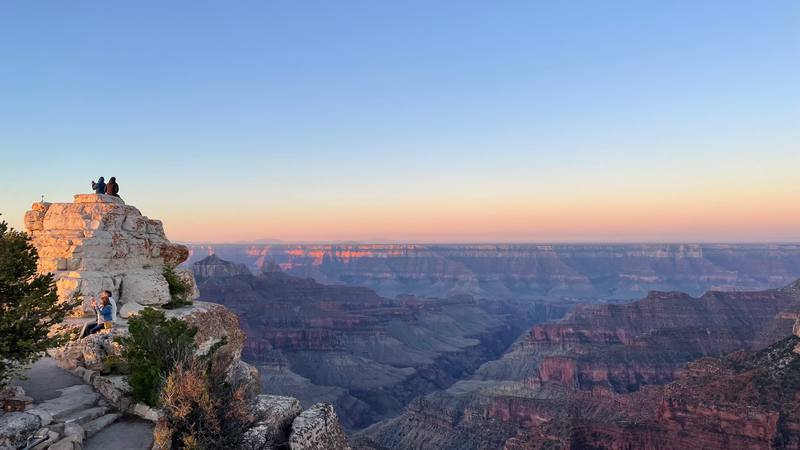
{"type": "Point", "coordinates": [29, 305]}
{"type": "Point", "coordinates": [179, 290]}
{"type": "Point", "coordinates": [156, 345]}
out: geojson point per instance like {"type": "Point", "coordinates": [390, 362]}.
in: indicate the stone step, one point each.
{"type": "Point", "coordinates": [98, 424]}
{"type": "Point", "coordinates": [85, 415]}
{"type": "Point", "coordinates": [72, 399]}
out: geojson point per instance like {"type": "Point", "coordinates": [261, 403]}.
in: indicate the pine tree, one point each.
{"type": "Point", "coordinates": [29, 305]}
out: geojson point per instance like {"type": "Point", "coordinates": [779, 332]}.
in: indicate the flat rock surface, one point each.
{"type": "Point", "coordinates": [125, 434]}
{"type": "Point", "coordinates": [45, 379]}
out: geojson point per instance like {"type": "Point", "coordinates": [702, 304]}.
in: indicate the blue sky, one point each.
{"type": "Point", "coordinates": [502, 121]}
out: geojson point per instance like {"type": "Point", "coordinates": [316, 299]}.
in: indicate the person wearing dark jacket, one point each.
{"type": "Point", "coordinates": [112, 188]}
{"type": "Point", "coordinates": [100, 186]}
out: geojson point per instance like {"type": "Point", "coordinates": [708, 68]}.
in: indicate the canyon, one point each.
{"type": "Point", "coordinates": [366, 354]}
{"type": "Point", "coordinates": [589, 272]}
{"type": "Point", "coordinates": [668, 371]}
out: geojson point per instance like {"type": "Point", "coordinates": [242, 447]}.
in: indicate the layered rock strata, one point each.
{"type": "Point", "coordinates": [366, 354]}
{"type": "Point", "coordinates": [562, 271]}
{"type": "Point", "coordinates": [622, 376]}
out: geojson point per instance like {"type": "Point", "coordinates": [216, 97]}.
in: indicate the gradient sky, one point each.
{"type": "Point", "coordinates": [411, 121]}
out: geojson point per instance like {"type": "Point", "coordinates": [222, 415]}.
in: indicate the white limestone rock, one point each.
{"type": "Point", "coordinates": [97, 243]}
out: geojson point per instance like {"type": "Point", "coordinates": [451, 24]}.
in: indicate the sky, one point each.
{"type": "Point", "coordinates": [413, 121]}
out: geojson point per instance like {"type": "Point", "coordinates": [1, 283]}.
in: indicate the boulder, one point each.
{"type": "Point", "coordinates": [318, 428]}
{"type": "Point", "coordinates": [274, 415]}
{"type": "Point", "coordinates": [90, 353]}
{"type": "Point", "coordinates": [214, 323]}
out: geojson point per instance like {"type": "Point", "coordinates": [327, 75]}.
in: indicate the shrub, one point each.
{"type": "Point", "coordinates": [29, 305]}
{"type": "Point", "coordinates": [201, 409]}
{"type": "Point", "coordinates": [156, 346]}
{"type": "Point", "coordinates": [178, 289]}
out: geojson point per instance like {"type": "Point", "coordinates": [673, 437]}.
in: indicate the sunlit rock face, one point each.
{"type": "Point", "coordinates": [98, 242]}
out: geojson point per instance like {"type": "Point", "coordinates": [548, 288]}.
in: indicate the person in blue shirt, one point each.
{"type": "Point", "coordinates": [100, 186]}
{"type": "Point", "coordinates": [89, 326]}
{"type": "Point", "coordinates": [105, 312]}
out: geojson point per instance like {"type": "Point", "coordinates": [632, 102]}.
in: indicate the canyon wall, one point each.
{"type": "Point", "coordinates": [562, 271]}
{"type": "Point", "coordinates": [368, 355]}
{"type": "Point", "coordinates": [645, 375]}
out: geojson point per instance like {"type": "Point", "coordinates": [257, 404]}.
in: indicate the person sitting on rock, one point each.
{"type": "Point", "coordinates": [107, 320]}
{"type": "Point", "coordinates": [97, 325]}
{"type": "Point", "coordinates": [100, 186]}
{"type": "Point", "coordinates": [112, 188]}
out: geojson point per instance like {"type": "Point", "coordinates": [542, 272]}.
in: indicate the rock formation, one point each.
{"type": "Point", "coordinates": [214, 267]}
{"type": "Point", "coordinates": [623, 376]}
{"type": "Point", "coordinates": [562, 271]}
{"type": "Point", "coordinates": [98, 242]}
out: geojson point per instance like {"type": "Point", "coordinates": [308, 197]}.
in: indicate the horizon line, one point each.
{"type": "Point", "coordinates": [478, 242]}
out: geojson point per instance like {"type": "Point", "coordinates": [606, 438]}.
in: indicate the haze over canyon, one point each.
{"type": "Point", "coordinates": [524, 346]}
{"type": "Point", "coordinates": [589, 272]}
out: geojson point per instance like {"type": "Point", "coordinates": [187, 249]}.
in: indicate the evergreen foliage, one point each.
{"type": "Point", "coordinates": [29, 305]}
{"type": "Point", "coordinates": [178, 289]}
{"type": "Point", "coordinates": [156, 346]}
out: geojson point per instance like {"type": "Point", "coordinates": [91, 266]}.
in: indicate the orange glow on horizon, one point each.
{"type": "Point", "coordinates": [635, 218]}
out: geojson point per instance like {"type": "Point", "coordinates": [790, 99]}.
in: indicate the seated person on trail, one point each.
{"type": "Point", "coordinates": [105, 313]}
{"type": "Point", "coordinates": [100, 186]}
{"type": "Point", "coordinates": [87, 328]}
{"type": "Point", "coordinates": [112, 188]}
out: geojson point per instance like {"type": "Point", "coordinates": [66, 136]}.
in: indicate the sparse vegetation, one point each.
{"type": "Point", "coordinates": [155, 347]}
{"type": "Point", "coordinates": [29, 305]}
{"type": "Point", "coordinates": [201, 410]}
{"type": "Point", "coordinates": [179, 289]}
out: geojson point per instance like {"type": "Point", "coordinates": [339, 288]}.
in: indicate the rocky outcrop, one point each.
{"type": "Point", "coordinates": [98, 242]}
{"type": "Point", "coordinates": [281, 423]}
{"type": "Point", "coordinates": [317, 428]}
{"type": "Point", "coordinates": [563, 271]}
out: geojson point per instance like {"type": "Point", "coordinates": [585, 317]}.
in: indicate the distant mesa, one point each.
{"type": "Point", "coordinates": [214, 267]}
